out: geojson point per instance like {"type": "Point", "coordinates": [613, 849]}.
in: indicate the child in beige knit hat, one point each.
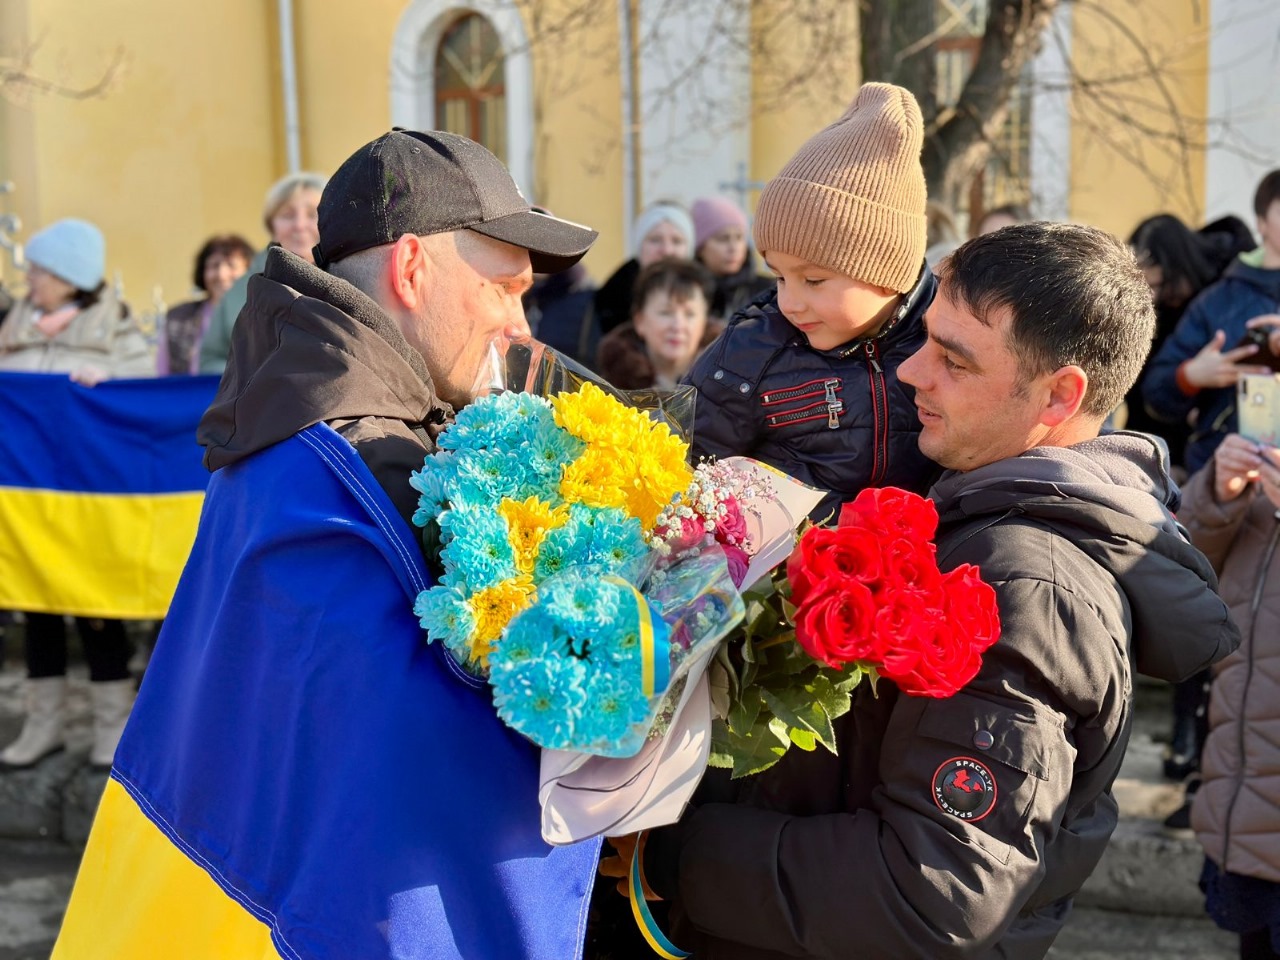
{"type": "Point", "coordinates": [805, 379]}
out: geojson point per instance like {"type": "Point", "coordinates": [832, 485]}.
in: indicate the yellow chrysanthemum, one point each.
{"type": "Point", "coordinates": [590, 414]}
{"type": "Point", "coordinates": [631, 462]}
{"type": "Point", "coordinates": [596, 479]}
{"type": "Point", "coordinates": [493, 608]}
{"type": "Point", "coordinates": [528, 523]}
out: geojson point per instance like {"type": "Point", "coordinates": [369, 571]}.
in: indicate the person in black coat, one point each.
{"type": "Point", "coordinates": [963, 826]}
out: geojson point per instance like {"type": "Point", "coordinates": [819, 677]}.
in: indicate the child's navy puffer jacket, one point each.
{"type": "Point", "coordinates": [835, 419]}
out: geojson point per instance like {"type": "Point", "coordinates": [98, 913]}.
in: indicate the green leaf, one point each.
{"type": "Point", "coordinates": [803, 739]}
{"type": "Point", "coordinates": [762, 747]}
{"type": "Point", "coordinates": [721, 750]}
{"type": "Point", "coordinates": [797, 708]}
{"type": "Point", "coordinates": [833, 699]}
{"type": "Point", "coordinates": [743, 713]}
{"type": "Point", "coordinates": [718, 685]}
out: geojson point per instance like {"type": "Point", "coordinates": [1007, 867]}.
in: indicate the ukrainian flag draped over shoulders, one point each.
{"type": "Point", "coordinates": [302, 775]}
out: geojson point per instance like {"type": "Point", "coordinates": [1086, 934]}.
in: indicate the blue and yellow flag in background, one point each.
{"type": "Point", "coordinates": [100, 492]}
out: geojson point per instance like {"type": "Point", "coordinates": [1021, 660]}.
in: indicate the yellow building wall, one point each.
{"type": "Point", "coordinates": [1121, 174]}
{"type": "Point", "coordinates": [344, 64]}
{"type": "Point", "coordinates": [779, 129]}
{"type": "Point", "coordinates": [181, 147]}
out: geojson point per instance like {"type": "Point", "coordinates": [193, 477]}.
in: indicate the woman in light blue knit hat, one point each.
{"type": "Point", "coordinates": [71, 323]}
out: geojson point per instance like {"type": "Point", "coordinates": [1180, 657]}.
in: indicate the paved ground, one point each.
{"type": "Point", "coordinates": [1143, 871]}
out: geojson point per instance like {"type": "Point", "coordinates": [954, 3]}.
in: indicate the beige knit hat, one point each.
{"type": "Point", "coordinates": [852, 198]}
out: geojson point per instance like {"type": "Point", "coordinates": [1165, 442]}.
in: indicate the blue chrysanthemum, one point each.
{"type": "Point", "coordinates": [501, 421]}
{"type": "Point", "coordinates": [445, 615]}
{"type": "Point", "coordinates": [615, 538]}
{"type": "Point", "coordinates": [614, 706]}
{"type": "Point", "coordinates": [561, 550]}
{"type": "Point", "coordinates": [531, 635]}
{"type": "Point", "coordinates": [542, 698]}
{"type": "Point", "coordinates": [582, 602]}
{"type": "Point", "coordinates": [433, 483]}
{"type": "Point", "coordinates": [551, 449]}
{"type": "Point", "coordinates": [484, 477]}
{"type": "Point", "coordinates": [477, 547]}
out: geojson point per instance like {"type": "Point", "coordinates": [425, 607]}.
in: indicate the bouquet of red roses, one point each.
{"type": "Point", "coordinates": [862, 600]}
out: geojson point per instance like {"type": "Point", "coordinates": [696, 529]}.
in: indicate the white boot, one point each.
{"type": "Point", "coordinates": [42, 729]}
{"type": "Point", "coordinates": [112, 701]}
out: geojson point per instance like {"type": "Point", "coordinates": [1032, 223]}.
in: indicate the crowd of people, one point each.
{"type": "Point", "coordinates": [872, 353]}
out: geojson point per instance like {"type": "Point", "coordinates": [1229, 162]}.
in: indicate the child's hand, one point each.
{"type": "Point", "coordinates": [1235, 465]}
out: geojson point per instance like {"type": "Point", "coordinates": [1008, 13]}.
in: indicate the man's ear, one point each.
{"type": "Point", "coordinates": [411, 271]}
{"type": "Point", "coordinates": [1066, 387]}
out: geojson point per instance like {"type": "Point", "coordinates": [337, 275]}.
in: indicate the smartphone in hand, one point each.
{"type": "Point", "coordinates": [1260, 337]}
{"type": "Point", "coordinates": [1258, 409]}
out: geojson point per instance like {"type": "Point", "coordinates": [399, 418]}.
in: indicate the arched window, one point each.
{"type": "Point", "coordinates": [470, 83]}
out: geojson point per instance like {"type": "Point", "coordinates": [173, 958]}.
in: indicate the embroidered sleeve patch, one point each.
{"type": "Point", "coordinates": [964, 788]}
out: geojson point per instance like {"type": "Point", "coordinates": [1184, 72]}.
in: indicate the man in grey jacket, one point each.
{"type": "Point", "coordinates": [964, 827]}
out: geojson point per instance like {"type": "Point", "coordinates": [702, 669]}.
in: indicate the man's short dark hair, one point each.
{"type": "Point", "coordinates": [679, 279]}
{"type": "Point", "coordinates": [1076, 296]}
{"type": "Point", "coordinates": [1268, 192]}
{"type": "Point", "coordinates": [226, 245]}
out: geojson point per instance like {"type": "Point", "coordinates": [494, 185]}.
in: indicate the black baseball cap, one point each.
{"type": "Point", "coordinates": [436, 182]}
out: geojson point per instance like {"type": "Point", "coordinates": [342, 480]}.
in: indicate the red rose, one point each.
{"type": "Point", "coordinates": [939, 661]}
{"type": "Point", "coordinates": [837, 625]}
{"type": "Point", "coordinates": [912, 566]}
{"type": "Point", "coordinates": [972, 609]}
{"type": "Point", "coordinates": [889, 510]}
{"type": "Point", "coordinates": [834, 556]}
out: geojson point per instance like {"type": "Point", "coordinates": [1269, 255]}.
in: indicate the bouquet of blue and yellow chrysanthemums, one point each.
{"type": "Point", "coordinates": [543, 512]}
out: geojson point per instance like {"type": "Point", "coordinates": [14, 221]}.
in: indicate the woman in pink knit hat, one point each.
{"type": "Point", "coordinates": [721, 245]}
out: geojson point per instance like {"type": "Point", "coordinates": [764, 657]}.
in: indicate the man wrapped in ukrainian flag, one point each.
{"type": "Point", "coordinates": [303, 776]}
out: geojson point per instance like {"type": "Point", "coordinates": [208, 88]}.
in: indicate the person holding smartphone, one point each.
{"type": "Point", "coordinates": [1232, 510]}
{"type": "Point", "coordinates": [1194, 373]}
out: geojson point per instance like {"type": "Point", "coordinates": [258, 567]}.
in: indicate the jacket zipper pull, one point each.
{"type": "Point", "coordinates": [871, 357]}
{"type": "Point", "coordinates": [834, 406]}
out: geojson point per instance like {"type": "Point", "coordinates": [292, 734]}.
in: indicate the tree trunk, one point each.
{"type": "Point", "coordinates": [957, 149]}
{"type": "Point", "coordinates": [893, 48]}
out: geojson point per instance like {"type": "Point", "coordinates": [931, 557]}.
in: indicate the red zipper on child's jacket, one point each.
{"type": "Point", "coordinates": [880, 415]}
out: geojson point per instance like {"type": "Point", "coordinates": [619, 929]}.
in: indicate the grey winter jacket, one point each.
{"type": "Point", "coordinates": [858, 856]}
{"type": "Point", "coordinates": [1236, 813]}
{"type": "Point", "coordinates": [101, 335]}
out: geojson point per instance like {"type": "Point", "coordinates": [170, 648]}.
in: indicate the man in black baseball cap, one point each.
{"type": "Point", "coordinates": [429, 183]}
{"type": "Point", "coordinates": [426, 245]}
{"type": "Point", "coordinates": [293, 624]}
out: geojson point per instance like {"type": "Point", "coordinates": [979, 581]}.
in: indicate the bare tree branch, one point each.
{"type": "Point", "coordinates": [19, 80]}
